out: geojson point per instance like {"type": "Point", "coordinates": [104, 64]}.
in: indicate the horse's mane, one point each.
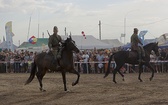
{"type": "Point", "coordinates": [148, 45]}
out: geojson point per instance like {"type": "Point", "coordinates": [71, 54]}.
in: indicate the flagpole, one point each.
{"type": "Point", "coordinates": [28, 28]}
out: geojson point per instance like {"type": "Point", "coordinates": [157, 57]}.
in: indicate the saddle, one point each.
{"type": "Point", "coordinates": [133, 54]}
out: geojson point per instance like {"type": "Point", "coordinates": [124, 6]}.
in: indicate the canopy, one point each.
{"type": "Point", "coordinates": [89, 43]}
{"type": "Point", "coordinates": [4, 46]}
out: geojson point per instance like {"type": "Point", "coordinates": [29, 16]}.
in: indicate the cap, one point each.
{"type": "Point", "coordinates": [55, 27]}
{"type": "Point", "coordinates": [135, 29]}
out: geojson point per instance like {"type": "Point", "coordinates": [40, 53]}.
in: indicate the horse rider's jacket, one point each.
{"type": "Point", "coordinates": [54, 43]}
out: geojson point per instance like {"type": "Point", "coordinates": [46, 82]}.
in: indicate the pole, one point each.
{"type": "Point", "coordinates": [65, 31]}
{"type": "Point", "coordinates": [99, 30]}
{"type": "Point", "coordinates": [38, 23]}
{"type": "Point", "coordinates": [19, 42]}
{"type": "Point", "coordinates": [43, 35]}
{"type": "Point", "coordinates": [28, 28]}
{"type": "Point", "coordinates": [124, 29]}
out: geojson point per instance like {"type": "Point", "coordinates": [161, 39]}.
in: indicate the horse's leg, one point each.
{"type": "Point", "coordinates": [64, 79]}
{"type": "Point", "coordinates": [40, 76]}
{"type": "Point", "coordinates": [140, 71]}
{"type": "Point", "coordinates": [114, 74]}
{"type": "Point", "coordinates": [77, 73]}
{"type": "Point", "coordinates": [153, 71]}
{"type": "Point", "coordinates": [121, 74]}
{"type": "Point", "coordinates": [119, 66]}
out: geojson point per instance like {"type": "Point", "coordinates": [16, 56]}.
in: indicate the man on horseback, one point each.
{"type": "Point", "coordinates": [134, 45]}
{"type": "Point", "coordinates": [54, 45]}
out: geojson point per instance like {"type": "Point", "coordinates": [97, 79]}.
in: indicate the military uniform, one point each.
{"type": "Point", "coordinates": [134, 45]}
{"type": "Point", "coordinates": [54, 44]}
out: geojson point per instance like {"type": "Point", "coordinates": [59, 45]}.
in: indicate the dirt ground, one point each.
{"type": "Point", "coordinates": [92, 89]}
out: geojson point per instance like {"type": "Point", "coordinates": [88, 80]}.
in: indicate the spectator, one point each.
{"type": "Point", "coordinates": [100, 59]}
{"type": "Point", "coordinates": [85, 58]}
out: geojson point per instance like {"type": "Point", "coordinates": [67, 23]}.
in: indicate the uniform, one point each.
{"type": "Point", "coordinates": [54, 44]}
{"type": "Point", "coordinates": [134, 44]}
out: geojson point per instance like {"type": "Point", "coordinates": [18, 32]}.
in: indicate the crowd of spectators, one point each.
{"type": "Point", "coordinates": [16, 62]}
{"type": "Point", "coordinates": [87, 61]}
{"type": "Point", "coordinates": [96, 61]}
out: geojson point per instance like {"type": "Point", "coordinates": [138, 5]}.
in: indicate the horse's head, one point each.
{"type": "Point", "coordinates": [155, 48]}
{"type": "Point", "coordinates": [70, 45]}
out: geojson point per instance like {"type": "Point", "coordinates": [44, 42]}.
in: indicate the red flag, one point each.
{"type": "Point", "coordinates": [83, 34]}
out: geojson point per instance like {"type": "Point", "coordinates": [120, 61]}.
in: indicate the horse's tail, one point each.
{"type": "Point", "coordinates": [108, 68]}
{"type": "Point", "coordinates": [32, 74]}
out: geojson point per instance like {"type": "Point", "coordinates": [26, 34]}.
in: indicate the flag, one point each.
{"type": "Point", "coordinates": [162, 39]}
{"type": "Point", "coordinates": [9, 35]}
{"type": "Point", "coordinates": [142, 33]}
{"type": "Point", "coordinates": [83, 34]}
{"type": "Point", "coordinates": [33, 40]}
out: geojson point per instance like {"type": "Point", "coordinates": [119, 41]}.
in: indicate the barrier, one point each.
{"type": "Point", "coordinates": [81, 62]}
{"type": "Point", "coordinates": [126, 64]}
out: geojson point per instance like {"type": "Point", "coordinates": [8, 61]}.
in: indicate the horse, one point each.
{"type": "Point", "coordinates": [131, 57]}
{"type": "Point", "coordinates": [45, 61]}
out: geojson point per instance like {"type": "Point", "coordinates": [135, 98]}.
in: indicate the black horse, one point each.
{"type": "Point", "coordinates": [45, 61]}
{"type": "Point", "coordinates": [130, 57]}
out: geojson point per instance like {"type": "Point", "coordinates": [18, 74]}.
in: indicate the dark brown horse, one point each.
{"type": "Point", "coordinates": [123, 57]}
{"type": "Point", "coordinates": [45, 61]}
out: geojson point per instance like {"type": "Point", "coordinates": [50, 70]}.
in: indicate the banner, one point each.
{"type": "Point", "coordinates": [9, 35]}
{"type": "Point", "coordinates": [142, 33]}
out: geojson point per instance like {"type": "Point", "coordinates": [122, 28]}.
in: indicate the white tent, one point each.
{"type": "Point", "coordinates": [113, 42]}
{"type": "Point", "coordinates": [89, 43]}
{"type": "Point", "coordinates": [4, 45]}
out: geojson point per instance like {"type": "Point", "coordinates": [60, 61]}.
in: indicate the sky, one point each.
{"type": "Point", "coordinates": [84, 15]}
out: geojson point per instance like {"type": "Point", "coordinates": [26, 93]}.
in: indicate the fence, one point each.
{"type": "Point", "coordinates": [25, 67]}
{"type": "Point", "coordinates": [127, 66]}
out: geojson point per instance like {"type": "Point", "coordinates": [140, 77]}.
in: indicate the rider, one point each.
{"type": "Point", "coordinates": [134, 45]}
{"type": "Point", "coordinates": [54, 44]}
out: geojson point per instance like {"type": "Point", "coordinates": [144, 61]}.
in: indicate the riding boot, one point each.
{"type": "Point", "coordinates": [140, 58]}
{"type": "Point", "coordinates": [57, 65]}
{"type": "Point", "coordinates": [58, 57]}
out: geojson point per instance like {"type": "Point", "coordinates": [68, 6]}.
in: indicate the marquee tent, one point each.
{"type": "Point", "coordinates": [4, 46]}
{"type": "Point", "coordinates": [89, 43]}
{"type": "Point", "coordinates": [113, 42]}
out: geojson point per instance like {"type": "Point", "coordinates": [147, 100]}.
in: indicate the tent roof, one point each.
{"type": "Point", "coordinates": [4, 45]}
{"type": "Point", "coordinates": [89, 43]}
{"type": "Point", "coordinates": [113, 42]}
{"type": "Point", "coordinates": [40, 42]}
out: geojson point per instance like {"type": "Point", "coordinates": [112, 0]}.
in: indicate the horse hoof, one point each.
{"type": "Point", "coordinates": [115, 82]}
{"type": "Point", "coordinates": [42, 90]}
{"type": "Point", "coordinates": [67, 91]}
{"type": "Point", "coordinates": [73, 84]}
{"type": "Point", "coordinates": [150, 79]}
